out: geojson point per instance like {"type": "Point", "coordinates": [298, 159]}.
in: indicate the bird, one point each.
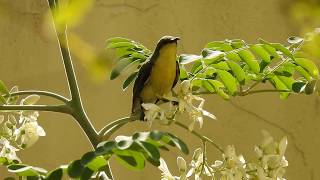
{"type": "Point", "coordinates": [157, 76]}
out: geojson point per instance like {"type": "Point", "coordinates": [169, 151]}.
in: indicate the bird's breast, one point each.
{"type": "Point", "coordinates": [163, 71]}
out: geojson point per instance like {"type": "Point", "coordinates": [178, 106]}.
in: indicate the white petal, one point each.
{"type": "Point", "coordinates": [208, 114]}
{"type": "Point", "coordinates": [200, 120]}
{"type": "Point", "coordinates": [150, 106]}
{"type": "Point", "coordinates": [40, 131]}
{"type": "Point", "coordinates": [30, 100]}
{"type": "Point", "coordinates": [182, 165]}
{"type": "Point", "coordinates": [164, 168]}
{"type": "Point", "coordinates": [196, 154]}
{"type": "Point", "coordinates": [283, 145]}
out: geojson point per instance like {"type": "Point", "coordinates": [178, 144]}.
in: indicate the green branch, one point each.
{"type": "Point", "coordinates": [41, 93]}
{"type": "Point", "coordinates": [105, 130]}
{"type": "Point", "coordinates": [75, 103]}
{"type": "Point", "coordinates": [54, 108]}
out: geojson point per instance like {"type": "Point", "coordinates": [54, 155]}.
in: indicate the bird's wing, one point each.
{"type": "Point", "coordinates": [143, 76]}
{"type": "Point", "coordinates": [177, 75]}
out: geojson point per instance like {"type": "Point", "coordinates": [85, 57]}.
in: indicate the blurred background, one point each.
{"type": "Point", "coordinates": [29, 58]}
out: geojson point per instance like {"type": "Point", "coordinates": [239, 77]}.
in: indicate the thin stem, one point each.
{"type": "Point", "coordinates": [203, 155]}
{"type": "Point", "coordinates": [53, 108]}
{"type": "Point", "coordinates": [247, 93]}
{"type": "Point", "coordinates": [203, 138]}
{"type": "Point", "coordinates": [266, 90]}
{"type": "Point", "coordinates": [115, 123]}
{"type": "Point", "coordinates": [43, 93]}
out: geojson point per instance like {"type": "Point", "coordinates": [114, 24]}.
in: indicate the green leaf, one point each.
{"type": "Point", "coordinates": [75, 169]}
{"type": "Point", "coordinates": [303, 72]}
{"type": "Point", "coordinates": [211, 56]}
{"type": "Point", "coordinates": [132, 160]}
{"type": "Point", "coordinates": [309, 66]}
{"type": "Point", "coordinates": [196, 83]}
{"type": "Point", "coordinates": [208, 86]}
{"type": "Point", "coordinates": [219, 87]}
{"type": "Point", "coordinates": [283, 49]}
{"type": "Point", "coordinates": [105, 147]}
{"type": "Point", "coordinates": [86, 174]}
{"type": "Point", "coordinates": [87, 157]}
{"type": "Point", "coordinates": [298, 86]}
{"type": "Point", "coordinates": [117, 45]}
{"type": "Point", "coordinates": [197, 66]}
{"type": "Point", "coordinates": [288, 81]}
{"type": "Point", "coordinates": [129, 80]}
{"type": "Point", "coordinates": [139, 56]}
{"type": "Point", "coordinates": [279, 85]}
{"type": "Point", "coordinates": [156, 135]}
{"type": "Point", "coordinates": [261, 52]}
{"type": "Point", "coordinates": [97, 163]}
{"type": "Point", "coordinates": [178, 143]}
{"type": "Point", "coordinates": [3, 88]}
{"type": "Point", "coordinates": [278, 47]}
{"type": "Point", "coordinates": [183, 73]}
{"type": "Point", "coordinates": [233, 56]}
{"type": "Point", "coordinates": [271, 50]}
{"type": "Point", "coordinates": [24, 170]}
{"type": "Point", "coordinates": [237, 71]}
{"type": "Point", "coordinates": [2, 100]}
{"type": "Point", "coordinates": [188, 58]}
{"type": "Point", "coordinates": [117, 39]}
{"type": "Point", "coordinates": [56, 174]}
{"type": "Point", "coordinates": [237, 43]}
{"type": "Point", "coordinates": [124, 144]}
{"type": "Point", "coordinates": [221, 65]}
{"type": "Point", "coordinates": [220, 46]}
{"type": "Point", "coordinates": [3, 160]}
{"type": "Point", "coordinates": [152, 152]}
{"type": "Point", "coordinates": [250, 60]}
{"type": "Point", "coordinates": [310, 87]}
{"type": "Point", "coordinates": [120, 66]}
{"type": "Point", "coordinates": [229, 81]}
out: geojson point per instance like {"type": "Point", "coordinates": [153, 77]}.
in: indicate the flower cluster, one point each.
{"type": "Point", "coordinates": [272, 162]}
{"type": "Point", "coordinates": [187, 102]}
{"type": "Point", "coordinates": [19, 134]}
{"type": "Point", "coordinates": [269, 165]}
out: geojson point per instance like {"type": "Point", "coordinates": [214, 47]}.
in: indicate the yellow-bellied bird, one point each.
{"type": "Point", "coordinates": [157, 76]}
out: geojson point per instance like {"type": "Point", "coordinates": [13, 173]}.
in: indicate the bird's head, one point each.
{"type": "Point", "coordinates": [166, 40]}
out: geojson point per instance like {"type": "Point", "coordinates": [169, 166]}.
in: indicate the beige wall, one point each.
{"type": "Point", "coordinates": [31, 61]}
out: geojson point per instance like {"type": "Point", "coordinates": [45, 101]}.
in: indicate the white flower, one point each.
{"type": "Point", "coordinates": [30, 133]}
{"type": "Point", "coordinates": [152, 112]}
{"type": "Point", "coordinates": [28, 116]}
{"type": "Point", "coordinates": [186, 103]}
{"type": "Point", "coordinates": [182, 165]}
{"type": "Point", "coordinates": [196, 164]}
{"type": "Point", "coordinates": [7, 150]}
{"type": "Point", "coordinates": [165, 175]}
{"type": "Point", "coordinates": [272, 161]}
{"type": "Point", "coordinates": [234, 166]}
